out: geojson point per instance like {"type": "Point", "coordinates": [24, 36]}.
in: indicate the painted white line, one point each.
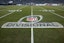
{"type": "Point", "coordinates": [54, 13]}
{"type": "Point", "coordinates": [32, 33]}
{"type": "Point", "coordinates": [59, 9]}
{"type": "Point", "coordinates": [6, 15]}
{"type": "Point", "coordinates": [31, 10]}
{"type": "Point", "coordinates": [10, 13]}
{"type": "Point", "coordinates": [57, 14]}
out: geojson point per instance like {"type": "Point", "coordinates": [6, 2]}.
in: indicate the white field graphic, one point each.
{"type": "Point", "coordinates": [33, 21]}
{"type": "Point", "coordinates": [34, 25]}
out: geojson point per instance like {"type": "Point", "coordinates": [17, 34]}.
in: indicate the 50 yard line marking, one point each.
{"type": "Point", "coordinates": [32, 33]}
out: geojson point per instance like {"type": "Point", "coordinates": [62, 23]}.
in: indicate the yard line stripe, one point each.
{"type": "Point", "coordinates": [59, 9]}
{"type": "Point", "coordinates": [9, 13]}
{"type": "Point", "coordinates": [54, 13]}
{"type": "Point", "coordinates": [31, 11]}
{"type": "Point", "coordinates": [32, 35]}
{"type": "Point", "coordinates": [6, 15]}
{"type": "Point", "coordinates": [32, 31]}
{"type": "Point", "coordinates": [57, 14]}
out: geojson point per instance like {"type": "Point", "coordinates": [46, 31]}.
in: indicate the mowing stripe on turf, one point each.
{"type": "Point", "coordinates": [10, 13]}
{"type": "Point", "coordinates": [54, 13]}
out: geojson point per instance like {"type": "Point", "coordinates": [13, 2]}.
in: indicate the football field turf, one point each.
{"type": "Point", "coordinates": [23, 35]}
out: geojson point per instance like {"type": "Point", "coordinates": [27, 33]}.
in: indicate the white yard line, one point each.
{"type": "Point", "coordinates": [31, 10]}
{"type": "Point", "coordinates": [9, 13]}
{"type": "Point", "coordinates": [6, 15]}
{"type": "Point", "coordinates": [59, 9]}
{"type": "Point", "coordinates": [57, 14]}
{"type": "Point", "coordinates": [32, 33]}
{"type": "Point", "coordinates": [54, 13]}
